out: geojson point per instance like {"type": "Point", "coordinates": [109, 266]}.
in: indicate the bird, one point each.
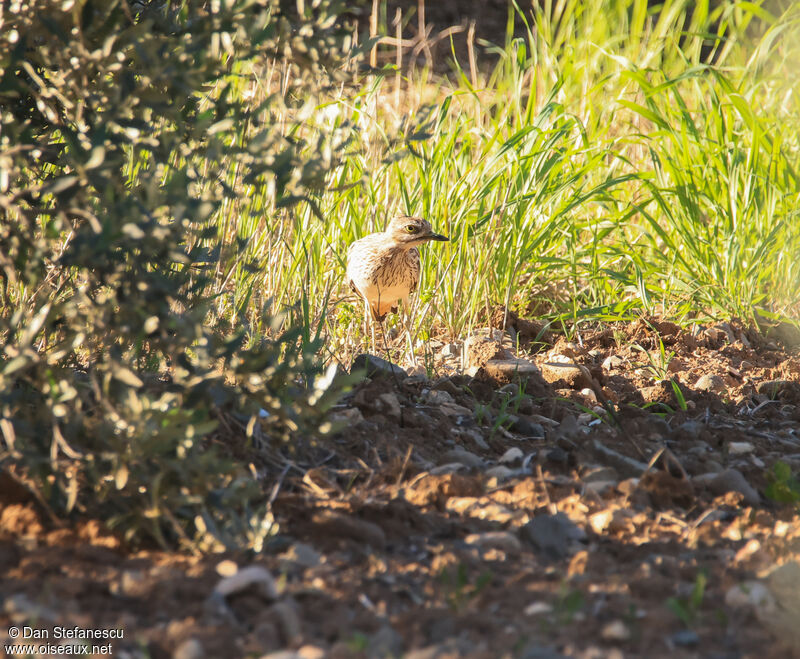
{"type": "Point", "coordinates": [383, 268]}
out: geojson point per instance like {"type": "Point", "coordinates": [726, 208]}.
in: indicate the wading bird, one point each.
{"type": "Point", "coordinates": [383, 268]}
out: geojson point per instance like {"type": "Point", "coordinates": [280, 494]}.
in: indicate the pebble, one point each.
{"type": "Point", "coordinates": [740, 448]}
{"type": "Point", "coordinates": [612, 362]}
{"type": "Point", "coordinates": [439, 397]}
{"type": "Point", "coordinates": [446, 385]}
{"type": "Point", "coordinates": [512, 455]}
{"type": "Point", "coordinates": [389, 404]}
{"type": "Point", "coordinates": [685, 638]}
{"type": "Point", "coordinates": [500, 472]}
{"type": "Point", "coordinates": [301, 555]}
{"type": "Point", "coordinates": [710, 383]}
{"type": "Point", "coordinates": [252, 575]}
{"type": "Point", "coordinates": [375, 366]}
{"type": "Point", "coordinates": [732, 480]}
{"type": "Point", "coordinates": [552, 535]}
{"type": "Point", "coordinates": [191, 648]}
{"type": "Point", "coordinates": [589, 393]}
{"type": "Point", "coordinates": [537, 608]}
{"type": "Point", "coordinates": [348, 416]}
{"type": "Point", "coordinates": [524, 426]}
{"type": "Point", "coordinates": [463, 456]}
{"type": "Point", "coordinates": [616, 630]}
{"type": "Point", "coordinates": [593, 474]}
{"type": "Point", "coordinates": [502, 540]}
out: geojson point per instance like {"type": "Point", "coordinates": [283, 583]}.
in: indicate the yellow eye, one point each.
{"type": "Point", "coordinates": [412, 229]}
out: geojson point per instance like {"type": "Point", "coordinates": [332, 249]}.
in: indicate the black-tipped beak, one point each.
{"type": "Point", "coordinates": [437, 236]}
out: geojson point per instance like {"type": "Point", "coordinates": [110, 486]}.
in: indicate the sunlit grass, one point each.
{"type": "Point", "coordinates": [600, 169]}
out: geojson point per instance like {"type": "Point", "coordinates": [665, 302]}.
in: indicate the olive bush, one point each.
{"type": "Point", "coordinates": [119, 121]}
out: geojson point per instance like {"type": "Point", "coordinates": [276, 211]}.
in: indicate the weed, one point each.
{"type": "Point", "coordinates": [783, 486]}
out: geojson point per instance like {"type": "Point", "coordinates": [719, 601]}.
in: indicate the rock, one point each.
{"type": "Point", "coordinates": [511, 456]}
{"type": "Point", "coordinates": [627, 467]}
{"type": "Point", "coordinates": [510, 368]}
{"type": "Point", "coordinates": [740, 448]}
{"type": "Point", "coordinates": [253, 576]}
{"type": "Point", "coordinates": [346, 417]}
{"type": "Point", "coordinates": [480, 508]}
{"type": "Point", "coordinates": [376, 367]}
{"type": "Point", "coordinates": [511, 389]}
{"type": "Point", "coordinates": [463, 456]}
{"type": "Point", "coordinates": [594, 473]}
{"type": "Point", "coordinates": [537, 608]}
{"type": "Point", "coordinates": [438, 397]}
{"type": "Point", "coordinates": [288, 620]}
{"type": "Point", "coordinates": [601, 521]}
{"type": "Point", "coordinates": [479, 348]}
{"type": "Point", "coordinates": [311, 652]}
{"type": "Point", "coordinates": [386, 642]}
{"type": "Point", "coordinates": [685, 638]}
{"type": "Point", "coordinates": [474, 435]}
{"type": "Point", "coordinates": [612, 362]}
{"type": "Point", "coordinates": [783, 583]}
{"type": "Point", "coordinates": [451, 350]}
{"type": "Point", "coordinates": [552, 535]}
{"type": "Point", "coordinates": [589, 394]}
{"type": "Point", "coordinates": [502, 540]}
{"type": "Point", "coordinates": [732, 480]}
{"type": "Point", "coordinates": [455, 411]}
{"type": "Point", "coordinates": [446, 385]}
{"type": "Point", "coordinates": [131, 583]}
{"type": "Point", "coordinates": [191, 648]}
{"type": "Point", "coordinates": [557, 455]}
{"type": "Point", "coordinates": [300, 555]}
{"type": "Point", "coordinates": [562, 368]}
{"type": "Point", "coordinates": [500, 473]}
{"type": "Point", "coordinates": [710, 383]}
{"type": "Point", "coordinates": [347, 526]}
{"type": "Point", "coordinates": [524, 426]}
{"type": "Point", "coordinates": [389, 405]}
{"type": "Point", "coordinates": [616, 630]}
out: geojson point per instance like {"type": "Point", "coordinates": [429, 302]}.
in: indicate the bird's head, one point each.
{"type": "Point", "coordinates": [411, 231]}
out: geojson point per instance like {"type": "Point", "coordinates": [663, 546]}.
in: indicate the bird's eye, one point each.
{"type": "Point", "coordinates": [412, 229]}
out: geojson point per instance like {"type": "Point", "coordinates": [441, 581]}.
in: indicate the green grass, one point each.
{"type": "Point", "coordinates": [599, 170]}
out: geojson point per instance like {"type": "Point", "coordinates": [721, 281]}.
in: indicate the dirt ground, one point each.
{"type": "Point", "coordinates": [587, 507]}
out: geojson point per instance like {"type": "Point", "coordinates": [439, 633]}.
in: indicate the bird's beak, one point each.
{"type": "Point", "coordinates": [437, 236]}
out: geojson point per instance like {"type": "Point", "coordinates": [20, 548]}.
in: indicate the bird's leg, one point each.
{"type": "Point", "coordinates": [405, 319]}
{"type": "Point", "coordinates": [367, 326]}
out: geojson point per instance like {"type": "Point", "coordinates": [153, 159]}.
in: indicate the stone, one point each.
{"type": "Point", "coordinates": [685, 638]}
{"type": "Point", "coordinates": [732, 480]}
{"type": "Point", "coordinates": [376, 367]}
{"type": "Point", "coordinates": [502, 540]}
{"type": "Point", "coordinates": [479, 348]}
{"type": "Point", "coordinates": [740, 448]}
{"type": "Point", "coordinates": [710, 383]}
{"type": "Point", "coordinates": [561, 368]}
{"type": "Point", "coordinates": [386, 642]}
{"type": "Point", "coordinates": [589, 394]}
{"type": "Point", "coordinates": [783, 583]}
{"type": "Point", "coordinates": [552, 536]}
{"type": "Point", "coordinates": [500, 472]}
{"type": "Point", "coordinates": [191, 648]}
{"type": "Point", "coordinates": [616, 630]}
{"type": "Point", "coordinates": [462, 456]}
{"type": "Point", "coordinates": [438, 397]}
{"type": "Point", "coordinates": [388, 404]}
{"type": "Point", "coordinates": [510, 368]}
{"type": "Point", "coordinates": [288, 619]}
{"type": "Point", "coordinates": [300, 555]}
{"type": "Point", "coordinates": [524, 426]}
{"type": "Point", "coordinates": [451, 350]}
{"type": "Point", "coordinates": [511, 456]}
{"type": "Point", "coordinates": [596, 473]}
{"type": "Point", "coordinates": [446, 385]}
{"type": "Point", "coordinates": [252, 576]}
{"type": "Point", "coordinates": [612, 362]}
{"type": "Point", "coordinates": [537, 608]}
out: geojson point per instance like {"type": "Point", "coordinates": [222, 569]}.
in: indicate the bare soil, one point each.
{"type": "Point", "coordinates": [419, 531]}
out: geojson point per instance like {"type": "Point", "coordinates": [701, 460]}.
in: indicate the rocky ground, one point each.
{"type": "Point", "coordinates": [628, 493]}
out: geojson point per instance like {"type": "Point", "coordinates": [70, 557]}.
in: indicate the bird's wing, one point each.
{"type": "Point", "coordinates": [413, 255]}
